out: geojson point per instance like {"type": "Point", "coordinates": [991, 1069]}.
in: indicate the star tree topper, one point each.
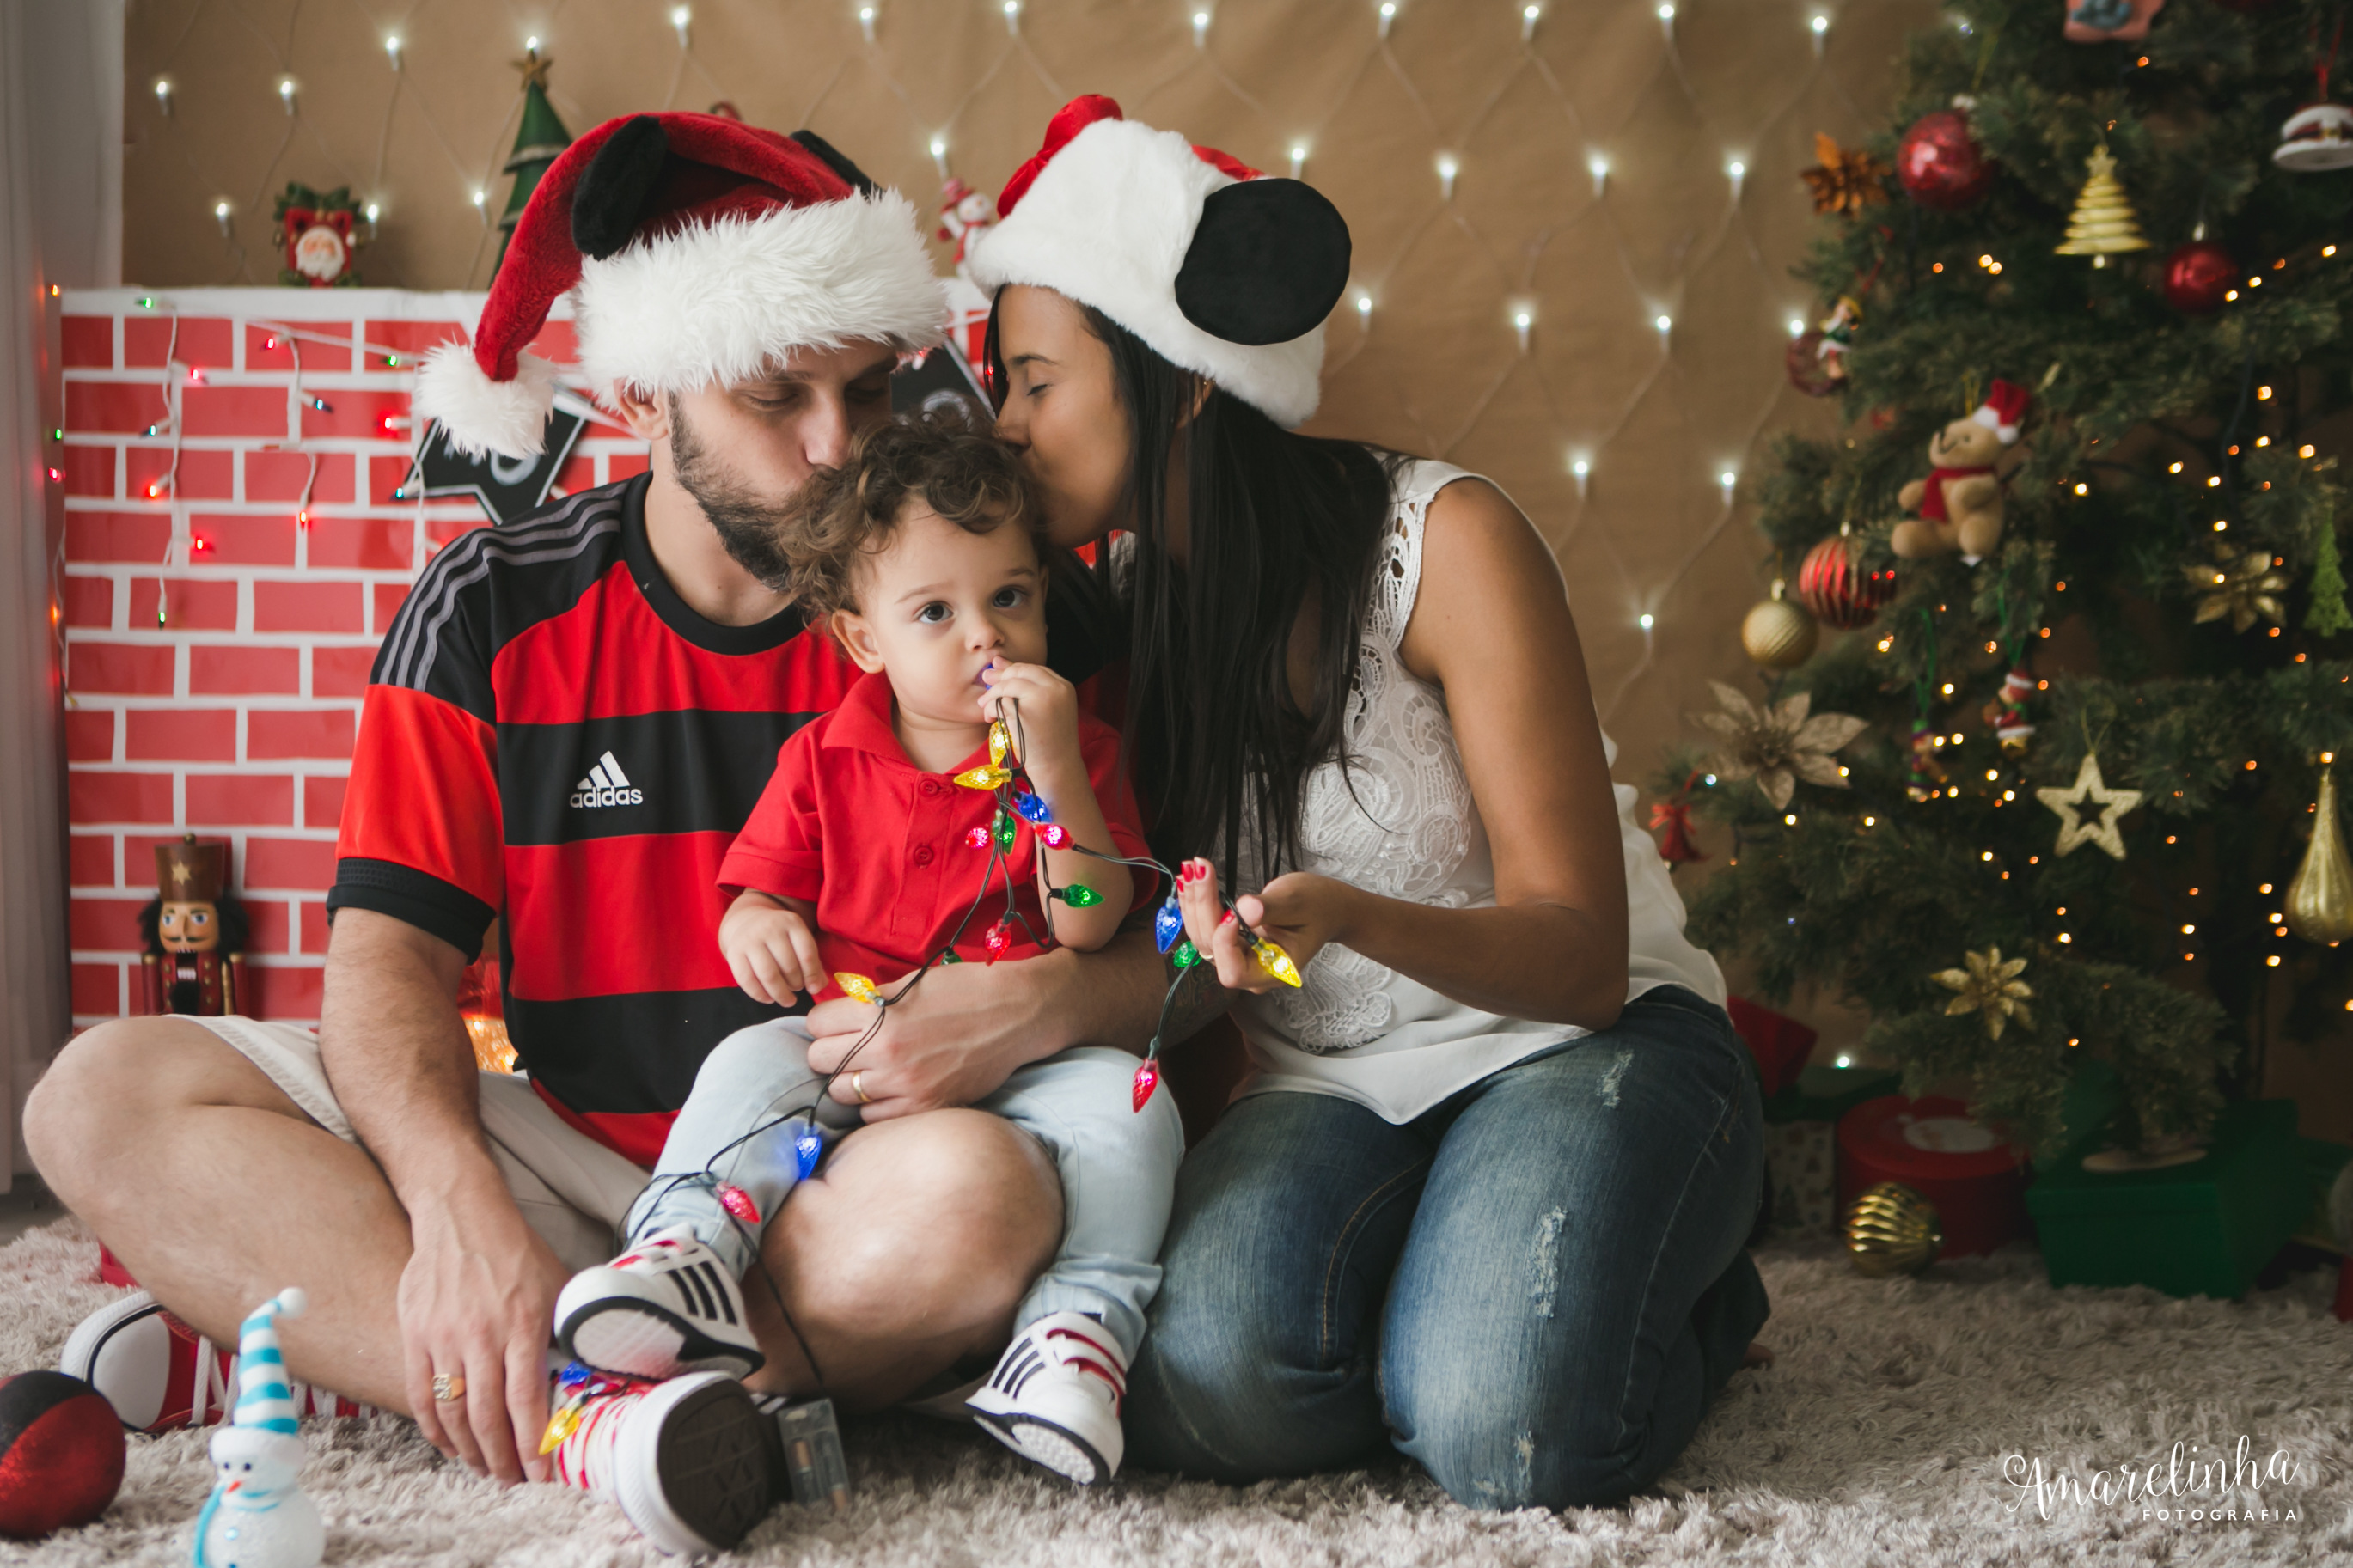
{"type": "Point", "coordinates": [2073, 830]}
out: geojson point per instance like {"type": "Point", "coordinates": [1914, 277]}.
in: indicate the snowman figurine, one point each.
{"type": "Point", "coordinates": [257, 1515]}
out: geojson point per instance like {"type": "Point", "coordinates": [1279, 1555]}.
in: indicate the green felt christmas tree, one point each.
{"type": "Point", "coordinates": [2163, 599]}
{"type": "Point", "coordinates": [540, 139]}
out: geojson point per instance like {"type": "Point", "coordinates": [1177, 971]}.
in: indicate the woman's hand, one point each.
{"type": "Point", "coordinates": [769, 949]}
{"type": "Point", "coordinates": [1301, 913]}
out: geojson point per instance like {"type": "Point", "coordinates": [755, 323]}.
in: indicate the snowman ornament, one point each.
{"type": "Point", "coordinates": [258, 1517]}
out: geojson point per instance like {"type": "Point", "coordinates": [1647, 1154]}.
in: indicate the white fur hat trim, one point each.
{"type": "Point", "coordinates": [720, 301]}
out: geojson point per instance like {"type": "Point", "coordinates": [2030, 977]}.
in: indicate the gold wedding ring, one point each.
{"type": "Point", "coordinates": [448, 1387]}
{"type": "Point", "coordinates": [857, 1086]}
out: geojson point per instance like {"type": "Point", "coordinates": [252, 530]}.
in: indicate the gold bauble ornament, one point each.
{"type": "Point", "coordinates": [2320, 899]}
{"type": "Point", "coordinates": [2104, 223]}
{"type": "Point", "coordinates": [1892, 1229]}
{"type": "Point", "coordinates": [1776, 633]}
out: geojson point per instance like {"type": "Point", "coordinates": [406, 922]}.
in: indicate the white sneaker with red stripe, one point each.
{"type": "Point", "coordinates": [160, 1375]}
{"type": "Point", "coordinates": [665, 1306]}
{"type": "Point", "coordinates": [692, 1461]}
{"type": "Point", "coordinates": [1055, 1395]}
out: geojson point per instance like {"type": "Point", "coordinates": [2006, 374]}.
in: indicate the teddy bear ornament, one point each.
{"type": "Point", "coordinates": [257, 1515]}
{"type": "Point", "coordinates": [1959, 503]}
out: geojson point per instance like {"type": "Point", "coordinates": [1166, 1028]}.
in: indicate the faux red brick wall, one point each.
{"type": "Point", "coordinates": [218, 644]}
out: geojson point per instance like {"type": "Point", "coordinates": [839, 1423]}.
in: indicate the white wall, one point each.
{"type": "Point", "coordinates": [61, 223]}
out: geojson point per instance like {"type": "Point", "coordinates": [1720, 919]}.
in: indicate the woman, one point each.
{"type": "Point", "coordinates": [1482, 1193]}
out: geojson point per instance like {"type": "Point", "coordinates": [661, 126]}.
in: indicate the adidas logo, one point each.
{"type": "Point", "coordinates": [606, 784]}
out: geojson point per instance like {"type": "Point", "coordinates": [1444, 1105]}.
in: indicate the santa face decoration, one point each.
{"type": "Point", "coordinates": [186, 926]}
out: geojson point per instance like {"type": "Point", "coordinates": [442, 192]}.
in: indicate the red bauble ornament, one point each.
{"type": "Point", "coordinates": [2196, 276]}
{"type": "Point", "coordinates": [1941, 163]}
{"type": "Point", "coordinates": [1832, 584]}
{"type": "Point", "coordinates": [61, 1453]}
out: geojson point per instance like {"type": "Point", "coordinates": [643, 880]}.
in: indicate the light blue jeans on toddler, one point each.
{"type": "Point", "coordinates": [755, 1092]}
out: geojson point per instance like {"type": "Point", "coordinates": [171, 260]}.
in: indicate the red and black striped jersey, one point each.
{"type": "Point", "coordinates": [551, 734]}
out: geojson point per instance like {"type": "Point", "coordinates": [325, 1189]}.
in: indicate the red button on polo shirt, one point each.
{"type": "Point", "coordinates": [850, 824]}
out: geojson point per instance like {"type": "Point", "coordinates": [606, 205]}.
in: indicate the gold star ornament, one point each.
{"type": "Point", "coordinates": [2073, 828]}
{"type": "Point", "coordinates": [1990, 988]}
{"type": "Point", "coordinates": [2239, 586]}
{"type": "Point", "coordinates": [1778, 745]}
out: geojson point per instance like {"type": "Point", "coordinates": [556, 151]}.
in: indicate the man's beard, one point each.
{"type": "Point", "coordinates": [749, 526]}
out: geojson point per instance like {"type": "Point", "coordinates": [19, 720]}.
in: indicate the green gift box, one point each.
{"type": "Point", "coordinates": [2205, 1229]}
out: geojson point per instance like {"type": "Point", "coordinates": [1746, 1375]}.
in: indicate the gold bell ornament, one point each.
{"type": "Point", "coordinates": [1891, 1229]}
{"type": "Point", "coordinates": [1776, 633]}
{"type": "Point", "coordinates": [2104, 224]}
{"type": "Point", "coordinates": [2320, 899]}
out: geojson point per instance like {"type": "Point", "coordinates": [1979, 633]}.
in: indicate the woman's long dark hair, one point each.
{"type": "Point", "coordinates": [1213, 734]}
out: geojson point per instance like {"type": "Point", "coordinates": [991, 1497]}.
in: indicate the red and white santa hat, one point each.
{"type": "Point", "coordinates": [703, 249]}
{"type": "Point", "coordinates": [2003, 409]}
{"type": "Point", "coordinates": [1220, 270]}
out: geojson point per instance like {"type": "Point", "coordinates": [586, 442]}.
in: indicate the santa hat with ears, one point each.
{"type": "Point", "coordinates": [2003, 409]}
{"type": "Point", "coordinates": [703, 250]}
{"type": "Point", "coordinates": [1222, 271]}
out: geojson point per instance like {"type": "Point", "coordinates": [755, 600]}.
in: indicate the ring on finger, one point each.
{"type": "Point", "coordinates": [858, 1087]}
{"type": "Point", "coordinates": [448, 1387]}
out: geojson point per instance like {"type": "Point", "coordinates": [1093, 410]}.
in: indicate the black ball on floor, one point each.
{"type": "Point", "coordinates": [61, 1453]}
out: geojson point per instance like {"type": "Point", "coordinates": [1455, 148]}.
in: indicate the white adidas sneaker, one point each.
{"type": "Point", "coordinates": [665, 1306]}
{"type": "Point", "coordinates": [1055, 1395]}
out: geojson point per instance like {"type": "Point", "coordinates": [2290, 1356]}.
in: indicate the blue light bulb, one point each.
{"type": "Point", "coordinates": [1031, 807]}
{"type": "Point", "coordinates": [1167, 925]}
{"type": "Point", "coordinates": [806, 1148]}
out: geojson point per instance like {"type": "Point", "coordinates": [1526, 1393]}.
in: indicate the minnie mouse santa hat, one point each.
{"type": "Point", "coordinates": [1220, 270]}
{"type": "Point", "coordinates": [703, 249]}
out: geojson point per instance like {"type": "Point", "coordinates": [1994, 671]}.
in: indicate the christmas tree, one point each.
{"type": "Point", "coordinates": [539, 139]}
{"type": "Point", "coordinates": [2106, 292]}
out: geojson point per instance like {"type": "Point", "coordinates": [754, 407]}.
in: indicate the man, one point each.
{"type": "Point", "coordinates": [565, 726]}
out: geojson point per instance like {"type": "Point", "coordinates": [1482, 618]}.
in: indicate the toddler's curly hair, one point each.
{"type": "Point", "coordinates": [939, 459]}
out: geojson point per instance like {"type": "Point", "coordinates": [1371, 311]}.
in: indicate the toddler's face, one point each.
{"type": "Point", "coordinates": [937, 604]}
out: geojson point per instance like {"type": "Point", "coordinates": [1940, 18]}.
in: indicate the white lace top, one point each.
{"type": "Point", "coordinates": [1402, 823]}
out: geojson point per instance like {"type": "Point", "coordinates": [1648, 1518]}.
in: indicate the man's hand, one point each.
{"type": "Point", "coordinates": [965, 1027]}
{"type": "Point", "coordinates": [770, 949]}
{"type": "Point", "coordinates": [476, 1301]}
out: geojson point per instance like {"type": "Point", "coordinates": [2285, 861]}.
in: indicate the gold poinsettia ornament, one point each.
{"type": "Point", "coordinates": [1842, 181]}
{"type": "Point", "coordinates": [1990, 987]}
{"type": "Point", "coordinates": [2240, 584]}
{"type": "Point", "coordinates": [1778, 745]}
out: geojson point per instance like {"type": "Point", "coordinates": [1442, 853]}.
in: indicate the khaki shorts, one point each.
{"type": "Point", "coordinates": [572, 1190]}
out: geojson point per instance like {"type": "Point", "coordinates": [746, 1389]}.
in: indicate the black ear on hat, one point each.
{"type": "Point", "coordinates": [832, 159]}
{"type": "Point", "coordinates": [617, 188]}
{"type": "Point", "coordinates": [1268, 261]}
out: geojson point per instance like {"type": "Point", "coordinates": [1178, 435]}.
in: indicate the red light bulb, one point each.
{"type": "Point", "coordinates": [1147, 1078]}
{"type": "Point", "coordinates": [1000, 938]}
{"type": "Point", "coordinates": [738, 1202]}
{"type": "Point", "coordinates": [976, 838]}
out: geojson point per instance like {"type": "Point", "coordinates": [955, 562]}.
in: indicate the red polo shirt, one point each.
{"type": "Point", "coordinates": [849, 824]}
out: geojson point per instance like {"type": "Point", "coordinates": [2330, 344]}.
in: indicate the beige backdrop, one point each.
{"type": "Point", "coordinates": [1436, 368]}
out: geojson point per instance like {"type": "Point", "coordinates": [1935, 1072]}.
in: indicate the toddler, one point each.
{"type": "Point", "coordinates": [865, 857]}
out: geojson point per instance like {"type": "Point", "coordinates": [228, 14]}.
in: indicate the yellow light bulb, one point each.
{"type": "Point", "coordinates": [858, 987]}
{"type": "Point", "coordinates": [1275, 961]}
{"type": "Point", "coordinates": [1000, 742]}
{"type": "Point", "coordinates": [988, 777]}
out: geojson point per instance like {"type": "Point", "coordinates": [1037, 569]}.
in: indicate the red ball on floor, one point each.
{"type": "Point", "coordinates": [61, 1453]}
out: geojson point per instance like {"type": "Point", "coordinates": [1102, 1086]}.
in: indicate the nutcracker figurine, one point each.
{"type": "Point", "coordinates": [194, 960]}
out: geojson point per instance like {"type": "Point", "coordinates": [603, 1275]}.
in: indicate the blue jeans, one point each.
{"type": "Point", "coordinates": [1118, 1165]}
{"type": "Point", "coordinates": [1534, 1289]}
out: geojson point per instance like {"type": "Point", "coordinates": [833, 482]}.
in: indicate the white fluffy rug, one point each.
{"type": "Point", "coordinates": [1877, 1438]}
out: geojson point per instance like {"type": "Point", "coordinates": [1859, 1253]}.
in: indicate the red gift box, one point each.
{"type": "Point", "coordinates": [1780, 1044]}
{"type": "Point", "coordinates": [1976, 1181]}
